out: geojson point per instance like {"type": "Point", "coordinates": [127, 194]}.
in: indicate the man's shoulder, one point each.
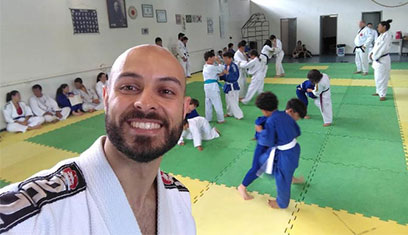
{"type": "Point", "coordinates": [21, 201]}
{"type": "Point", "coordinates": [170, 182]}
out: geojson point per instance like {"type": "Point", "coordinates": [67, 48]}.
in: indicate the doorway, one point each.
{"type": "Point", "coordinates": [372, 17]}
{"type": "Point", "coordinates": [328, 34]}
{"type": "Point", "coordinates": [288, 34]}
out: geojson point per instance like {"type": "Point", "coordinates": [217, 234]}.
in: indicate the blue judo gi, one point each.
{"type": "Point", "coordinates": [301, 91]}
{"type": "Point", "coordinates": [192, 114]}
{"type": "Point", "coordinates": [281, 129]}
{"type": "Point", "coordinates": [259, 150]}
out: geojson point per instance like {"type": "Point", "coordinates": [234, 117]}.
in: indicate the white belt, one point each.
{"type": "Point", "coordinates": [268, 166]}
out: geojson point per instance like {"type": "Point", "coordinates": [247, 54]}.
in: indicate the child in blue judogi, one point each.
{"type": "Point", "coordinates": [302, 93]}
{"type": "Point", "coordinates": [259, 121]}
{"type": "Point", "coordinates": [280, 152]}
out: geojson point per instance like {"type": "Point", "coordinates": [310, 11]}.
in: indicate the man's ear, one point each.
{"type": "Point", "coordinates": [187, 101]}
{"type": "Point", "coordinates": [105, 95]}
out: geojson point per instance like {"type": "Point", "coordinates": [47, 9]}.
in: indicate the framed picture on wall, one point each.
{"type": "Point", "coordinates": [147, 10]}
{"type": "Point", "coordinates": [161, 16]}
{"type": "Point", "coordinates": [189, 19]}
{"type": "Point", "coordinates": [117, 13]}
{"type": "Point", "coordinates": [210, 25]}
{"type": "Point", "coordinates": [179, 20]}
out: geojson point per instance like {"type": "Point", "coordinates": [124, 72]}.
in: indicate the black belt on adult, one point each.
{"type": "Point", "coordinates": [360, 47]}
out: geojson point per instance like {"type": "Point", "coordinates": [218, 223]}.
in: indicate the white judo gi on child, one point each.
{"type": "Point", "coordinates": [362, 42]}
{"type": "Point", "coordinates": [45, 104]}
{"type": "Point", "coordinates": [256, 67]}
{"type": "Point", "coordinates": [212, 91]}
{"type": "Point", "coordinates": [198, 129]}
{"type": "Point", "coordinates": [12, 118]}
{"type": "Point", "coordinates": [279, 53]}
{"type": "Point", "coordinates": [382, 63]}
{"type": "Point", "coordinates": [240, 57]}
{"type": "Point", "coordinates": [83, 196]}
{"type": "Point", "coordinates": [87, 98]}
{"type": "Point", "coordinates": [323, 100]}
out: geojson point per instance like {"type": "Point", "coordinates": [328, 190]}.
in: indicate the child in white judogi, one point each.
{"type": "Point", "coordinates": [267, 52]}
{"type": "Point", "coordinates": [18, 115]}
{"type": "Point", "coordinates": [198, 129]}
{"type": "Point", "coordinates": [89, 97]}
{"type": "Point", "coordinates": [186, 64]}
{"type": "Point", "coordinates": [211, 75]}
{"type": "Point", "coordinates": [362, 42]}
{"type": "Point", "coordinates": [101, 80]}
{"type": "Point", "coordinates": [381, 59]}
{"type": "Point", "coordinates": [323, 94]}
{"type": "Point", "coordinates": [44, 106]}
{"type": "Point", "coordinates": [279, 54]}
{"type": "Point", "coordinates": [256, 67]}
{"type": "Point", "coordinates": [240, 57]}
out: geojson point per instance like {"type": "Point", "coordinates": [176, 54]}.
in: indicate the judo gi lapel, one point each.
{"type": "Point", "coordinates": [164, 210]}
{"type": "Point", "coordinates": [105, 190]}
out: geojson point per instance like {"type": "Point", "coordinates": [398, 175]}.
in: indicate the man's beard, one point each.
{"type": "Point", "coordinates": [143, 148]}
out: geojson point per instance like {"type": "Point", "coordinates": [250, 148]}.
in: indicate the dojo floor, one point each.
{"type": "Point", "coordinates": [356, 170]}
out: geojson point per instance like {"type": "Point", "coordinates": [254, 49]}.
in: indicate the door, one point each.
{"type": "Point", "coordinates": [288, 35]}
{"type": "Point", "coordinates": [328, 34]}
{"type": "Point", "coordinates": [372, 17]}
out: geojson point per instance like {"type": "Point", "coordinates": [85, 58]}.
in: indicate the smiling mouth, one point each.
{"type": "Point", "coordinates": [145, 125]}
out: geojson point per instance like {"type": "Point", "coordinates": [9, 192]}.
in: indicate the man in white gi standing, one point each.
{"type": "Point", "coordinates": [362, 42]}
{"type": "Point", "coordinates": [116, 186]}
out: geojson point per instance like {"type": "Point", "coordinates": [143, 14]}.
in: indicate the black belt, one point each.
{"type": "Point", "coordinates": [381, 57]}
{"type": "Point", "coordinates": [360, 47]}
{"type": "Point", "coordinates": [267, 58]}
{"type": "Point", "coordinates": [16, 118]}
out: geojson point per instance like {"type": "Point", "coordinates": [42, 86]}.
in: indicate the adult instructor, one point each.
{"type": "Point", "coordinates": [115, 186]}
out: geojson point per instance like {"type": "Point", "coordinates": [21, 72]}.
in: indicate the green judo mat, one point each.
{"type": "Point", "coordinates": [357, 165]}
{"type": "Point", "coordinates": [334, 70]}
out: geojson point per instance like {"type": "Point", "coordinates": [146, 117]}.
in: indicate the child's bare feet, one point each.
{"type": "Point", "coordinates": [382, 98]}
{"type": "Point", "coordinates": [200, 148]}
{"type": "Point", "coordinates": [221, 122]}
{"type": "Point", "coordinates": [181, 144]}
{"type": "Point", "coordinates": [227, 115]}
{"type": "Point", "coordinates": [307, 117]}
{"type": "Point", "coordinates": [273, 204]}
{"type": "Point", "coordinates": [299, 180]}
{"type": "Point", "coordinates": [327, 124]}
{"type": "Point", "coordinates": [244, 194]}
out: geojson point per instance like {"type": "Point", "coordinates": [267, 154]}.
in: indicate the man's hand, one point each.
{"type": "Point", "coordinates": [258, 128]}
{"type": "Point", "coordinates": [58, 114]}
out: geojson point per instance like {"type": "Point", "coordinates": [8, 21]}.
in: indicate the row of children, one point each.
{"type": "Point", "coordinates": [21, 117]}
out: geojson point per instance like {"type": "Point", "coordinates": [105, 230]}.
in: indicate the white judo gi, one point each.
{"type": "Point", "coordinates": [363, 39]}
{"type": "Point", "coordinates": [99, 90]}
{"type": "Point", "coordinates": [43, 104]}
{"type": "Point", "coordinates": [382, 63]}
{"type": "Point", "coordinates": [374, 35]}
{"type": "Point", "coordinates": [279, 53]}
{"type": "Point", "coordinates": [212, 91]}
{"type": "Point", "coordinates": [182, 51]}
{"type": "Point", "coordinates": [267, 52]}
{"type": "Point", "coordinates": [88, 98]}
{"type": "Point", "coordinates": [240, 57]}
{"type": "Point", "coordinates": [198, 129]}
{"type": "Point", "coordinates": [323, 100]}
{"type": "Point", "coordinates": [11, 117]}
{"type": "Point", "coordinates": [256, 67]}
{"type": "Point", "coordinates": [83, 196]}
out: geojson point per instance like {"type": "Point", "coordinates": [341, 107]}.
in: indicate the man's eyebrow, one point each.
{"type": "Point", "coordinates": [129, 74]}
{"type": "Point", "coordinates": [170, 79]}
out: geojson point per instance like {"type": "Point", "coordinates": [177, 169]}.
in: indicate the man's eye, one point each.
{"type": "Point", "coordinates": [167, 92]}
{"type": "Point", "coordinates": [129, 88]}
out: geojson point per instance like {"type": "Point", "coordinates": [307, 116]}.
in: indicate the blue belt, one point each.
{"type": "Point", "coordinates": [209, 81]}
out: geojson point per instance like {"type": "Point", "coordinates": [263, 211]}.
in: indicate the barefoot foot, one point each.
{"type": "Point", "coordinates": [299, 180]}
{"type": "Point", "coordinates": [327, 124]}
{"type": "Point", "coordinates": [244, 194]}
{"type": "Point", "coordinates": [273, 204]}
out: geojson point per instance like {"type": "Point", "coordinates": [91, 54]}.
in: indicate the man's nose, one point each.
{"type": "Point", "coordinates": [146, 101]}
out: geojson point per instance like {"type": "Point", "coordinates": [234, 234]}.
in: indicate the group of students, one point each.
{"type": "Point", "coordinates": [21, 117]}
{"type": "Point", "coordinates": [300, 51]}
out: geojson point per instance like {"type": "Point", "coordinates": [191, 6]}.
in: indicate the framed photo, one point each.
{"type": "Point", "coordinates": [179, 20]}
{"type": "Point", "coordinates": [189, 19]}
{"type": "Point", "coordinates": [210, 25]}
{"type": "Point", "coordinates": [161, 16]}
{"type": "Point", "coordinates": [117, 13]}
{"type": "Point", "coordinates": [145, 31]}
{"type": "Point", "coordinates": [147, 10]}
{"type": "Point", "coordinates": [84, 21]}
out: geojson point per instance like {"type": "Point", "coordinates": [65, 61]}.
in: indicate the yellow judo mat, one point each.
{"type": "Point", "coordinates": [214, 202]}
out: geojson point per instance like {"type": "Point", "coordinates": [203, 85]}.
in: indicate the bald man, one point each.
{"type": "Point", "coordinates": [116, 186]}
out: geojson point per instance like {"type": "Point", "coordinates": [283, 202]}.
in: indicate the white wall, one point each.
{"type": "Point", "coordinates": [37, 44]}
{"type": "Point", "coordinates": [308, 18]}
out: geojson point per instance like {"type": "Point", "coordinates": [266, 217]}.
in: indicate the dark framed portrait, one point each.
{"type": "Point", "coordinates": [117, 13]}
